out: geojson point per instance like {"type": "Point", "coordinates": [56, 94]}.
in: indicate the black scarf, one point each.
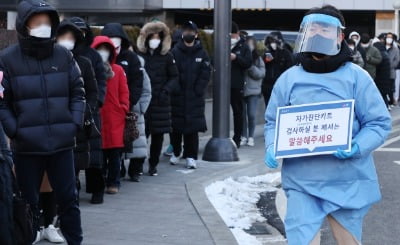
{"type": "Point", "coordinates": [39, 48]}
{"type": "Point", "coordinates": [327, 65]}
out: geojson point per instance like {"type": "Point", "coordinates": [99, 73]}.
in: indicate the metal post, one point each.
{"type": "Point", "coordinates": [221, 148]}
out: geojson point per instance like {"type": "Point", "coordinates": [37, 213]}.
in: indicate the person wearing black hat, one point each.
{"type": "Point", "coordinates": [94, 174]}
{"type": "Point", "coordinates": [242, 60]}
{"type": "Point", "coordinates": [188, 103]}
{"type": "Point", "coordinates": [277, 60]}
{"type": "Point", "coordinates": [42, 110]}
{"type": "Point", "coordinates": [70, 36]}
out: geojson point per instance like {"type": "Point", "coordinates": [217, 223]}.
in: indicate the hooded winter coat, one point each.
{"type": "Point", "coordinates": [116, 104]}
{"type": "Point", "coordinates": [139, 146]}
{"type": "Point", "coordinates": [163, 73]}
{"type": "Point", "coordinates": [85, 50]}
{"type": "Point", "coordinates": [44, 101]}
{"type": "Point", "coordinates": [90, 84]}
{"type": "Point", "coordinates": [128, 60]}
{"type": "Point", "coordinates": [188, 102]}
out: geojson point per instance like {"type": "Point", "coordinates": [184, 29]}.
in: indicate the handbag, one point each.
{"type": "Point", "coordinates": [24, 228]}
{"type": "Point", "coordinates": [131, 131]}
{"type": "Point", "coordinates": [89, 125]}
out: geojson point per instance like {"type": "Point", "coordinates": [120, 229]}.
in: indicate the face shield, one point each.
{"type": "Point", "coordinates": [319, 33]}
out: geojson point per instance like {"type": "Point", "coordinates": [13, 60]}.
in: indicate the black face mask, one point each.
{"type": "Point", "coordinates": [189, 38]}
{"type": "Point", "coordinates": [322, 45]}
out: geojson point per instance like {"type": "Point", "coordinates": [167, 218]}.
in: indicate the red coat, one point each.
{"type": "Point", "coordinates": [116, 103]}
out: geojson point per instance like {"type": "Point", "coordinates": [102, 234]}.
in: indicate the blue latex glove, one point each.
{"type": "Point", "coordinates": [341, 154]}
{"type": "Point", "coordinates": [270, 159]}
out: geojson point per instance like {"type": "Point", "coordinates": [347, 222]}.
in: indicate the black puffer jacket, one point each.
{"type": "Point", "coordinates": [188, 102]}
{"type": "Point", "coordinates": [44, 102]}
{"type": "Point", "coordinates": [163, 73]}
{"type": "Point", "coordinates": [84, 49]}
{"type": "Point", "coordinates": [128, 60]}
{"type": "Point", "coordinates": [382, 78]}
{"type": "Point", "coordinates": [282, 61]}
{"type": "Point", "coordinates": [243, 61]}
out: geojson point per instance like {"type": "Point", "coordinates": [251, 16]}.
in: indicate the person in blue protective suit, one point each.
{"type": "Point", "coordinates": [340, 187]}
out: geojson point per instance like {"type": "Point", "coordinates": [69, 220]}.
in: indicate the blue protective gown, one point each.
{"type": "Point", "coordinates": [317, 186]}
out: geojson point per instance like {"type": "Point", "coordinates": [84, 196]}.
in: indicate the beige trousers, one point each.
{"type": "Point", "coordinates": [341, 235]}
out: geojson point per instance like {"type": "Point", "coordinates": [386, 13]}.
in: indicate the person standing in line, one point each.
{"type": "Point", "coordinates": [357, 57]}
{"type": "Point", "coordinates": [188, 102]}
{"type": "Point", "coordinates": [277, 60]}
{"type": "Point", "coordinates": [241, 61]}
{"type": "Point", "coordinates": [154, 44]}
{"type": "Point", "coordinates": [70, 36]}
{"type": "Point", "coordinates": [394, 57]}
{"type": "Point", "coordinates": [113, 113]}
{"type": "Point", "coordinates": [44, 98]}
{"type": "Point", "coordinates": [382, 78]}
{"type": "Point", "coordinates": [138, 154]}
{"type": "Point", "coordinates": [132, 67]}
{"type": "Point", "coordinates": [340, 187]}
{"type": "Point", "coordinates": [95, 183]}
{"type": "Point", "coordinates": [355, 36]}
{"type": "Point", "coordinates": [252, 92]}
{"type": "Point", "coordinates": [372, 55]}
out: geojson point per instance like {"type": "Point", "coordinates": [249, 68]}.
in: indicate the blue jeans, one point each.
{"type": "Point", "coordinates": [250, 104]}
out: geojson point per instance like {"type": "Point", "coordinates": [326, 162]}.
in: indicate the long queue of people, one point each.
{"type": "Point", "coordinates": [380, 57]}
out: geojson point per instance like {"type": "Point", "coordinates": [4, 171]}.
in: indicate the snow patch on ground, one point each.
{"type": "Point", "coordinates": [235, 200]}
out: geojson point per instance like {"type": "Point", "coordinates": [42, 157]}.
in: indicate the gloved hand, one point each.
{"type": "Point", "coordinates": [341, 154]}
{"type": "Point", "coordinates": [270, 159]}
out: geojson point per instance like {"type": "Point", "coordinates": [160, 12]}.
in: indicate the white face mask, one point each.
{"type": "Point", "coordinates": [351, 47]}
{"type": "Point", "coordinates": [105, 55]}
{"type": "Point", "coordinates": [68, 44]}
{"type": "Point", "coordinates": [43, 31]}
{"type": "Point", "coordinates": [117, 43]}
{"type": "Point", "coordinates": [389, 40]}
{"type": "Point", "coordinates": [274, 46]}
{"type": "Point", "coordinates": [154, 43]}
{"type": "Point", "coordinates": [234, 41]}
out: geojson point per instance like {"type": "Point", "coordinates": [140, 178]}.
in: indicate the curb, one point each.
{"type": "Point", "coordinates": [216, 227]}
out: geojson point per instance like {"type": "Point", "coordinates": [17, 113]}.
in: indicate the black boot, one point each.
{"type": "Point", "coordinates": [153, 170]}
{"type": "Point", "coordinates": [97, 197]}
{"type": "Point", "coordinates": [95, 184]}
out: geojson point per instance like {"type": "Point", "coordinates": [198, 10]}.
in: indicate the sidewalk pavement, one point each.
{"type": "Point", "coordinates": [169, 209]}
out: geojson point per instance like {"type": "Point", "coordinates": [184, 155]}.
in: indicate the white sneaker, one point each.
{"type": "Point", "coordinates": [174, 160]}
{"type": "Point", "coordinates": [250, 142]}
{"type": "Point", "coordinates": [51, 234]}
{"type": "Point", "coordinates": [191, 163]}
{"type": "Point", "coordinates": [243, 141]}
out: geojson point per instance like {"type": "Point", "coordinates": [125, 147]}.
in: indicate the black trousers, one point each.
{"type": "Point", "coordinates": [155, 148]}
{"type": "Point", "coordinates": [237, 108]}
{"type": "Point", "coordinates": [191, 144]}
{"type": "Point", "coordinates": [61, 174]}
{"type": "Point", "coordinates": [112, 167]}
{"type": "Point", "coordinates": [135, 166]}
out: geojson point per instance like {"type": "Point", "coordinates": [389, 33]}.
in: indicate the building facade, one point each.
{"type": "Point", "coordinates": [372, 16]}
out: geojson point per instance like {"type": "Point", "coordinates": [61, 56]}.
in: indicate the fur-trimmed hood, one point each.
{"type": "Point", "coordinates": [152, 28]}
